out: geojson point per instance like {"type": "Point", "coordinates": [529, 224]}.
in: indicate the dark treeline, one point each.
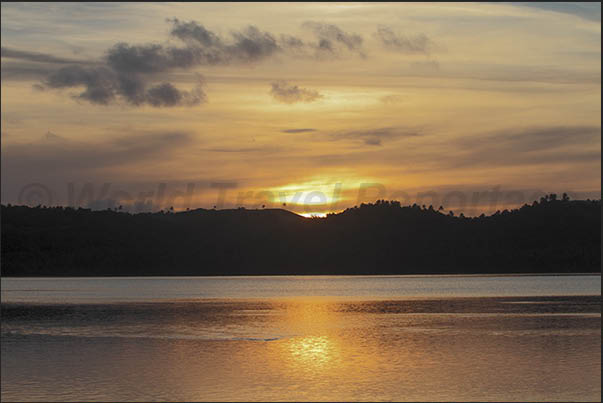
{"type": "Point", "coordinates": [551, 235]}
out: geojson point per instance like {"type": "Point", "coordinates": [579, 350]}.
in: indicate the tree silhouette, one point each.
{"type": "Point", "coordinates": [377, 238]}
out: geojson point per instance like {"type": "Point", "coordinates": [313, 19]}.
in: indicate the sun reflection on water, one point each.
{"type": "Point", "coordinates": [313, 351]}
{"type": "Point", "coordinates": [316, 346]}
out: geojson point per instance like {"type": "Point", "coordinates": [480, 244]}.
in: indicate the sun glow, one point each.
{"type": "Point", "coordinates": [319, 195]}
{"type": "Point", "coordinates": [314, 214]}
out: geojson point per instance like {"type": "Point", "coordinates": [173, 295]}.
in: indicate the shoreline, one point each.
{"type": "Point", "coordinates": [562, 274]}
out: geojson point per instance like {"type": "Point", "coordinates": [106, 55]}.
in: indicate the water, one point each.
{"type": "Point", "coordinates": [122, 289]}
{"type": "Point", "coordinates": [407, 338]}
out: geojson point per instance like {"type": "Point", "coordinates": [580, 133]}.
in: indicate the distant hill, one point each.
{"type": "Point", "coordinates": [551, 235]}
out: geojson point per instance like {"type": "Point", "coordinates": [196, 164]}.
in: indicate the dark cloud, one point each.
{"type": "Point", "coordinates": [192, 31]}
{"type": "Point", "coordinates": [252, 45]}
{"type": "Point", "coordinates": [331, 38]}
{"type": "Point", "coordinates": [419, 43]}
{"type": "Point", "coordinates": [164, 95]}
{"type": "Point", "coordinates": [138, 58]}
{"type": "Point", "coordinates": [298, 130]}
{"type": "Point", "coordinates": [137, 73]}
{"type": "Point", "coordinates": [38, 57]}
{"type": "Point", "coordinates": [205, 47]}
{"type": "Point", "coordinates": [167, 95]}
{"type": "Point", "coordinates": [290, 94]}
{"type": "Point", "coordinates": [153, 58]}
{"type": "Point", "coordinates": [100, 83]}
{"type": "Point", "coordinates": [129, 70]}
{"type": "Point", "coordinates": [374, 137]}
{"type": "Point", "coordinates": [291, 42]}
{"type": "Point", "coordinates": [132, 87]}
{"type": "Point", "coordinates": [103, 85]}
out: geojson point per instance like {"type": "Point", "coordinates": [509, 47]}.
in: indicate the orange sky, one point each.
{"type": "Point", "coordinates": [318, 106]}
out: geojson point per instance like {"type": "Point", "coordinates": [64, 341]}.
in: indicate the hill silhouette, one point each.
{"type": "Point", "coordinates": [551, 235]}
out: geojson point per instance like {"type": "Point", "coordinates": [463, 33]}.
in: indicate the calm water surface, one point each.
{"type": "Point", "coordinates": [459, 338]}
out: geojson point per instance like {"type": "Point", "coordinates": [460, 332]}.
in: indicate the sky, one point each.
{"type": "Point", "coordinates": [312, 107]}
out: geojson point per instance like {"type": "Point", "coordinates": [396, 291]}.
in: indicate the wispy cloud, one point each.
{"type": "Point", "coordinates": [535, 138]}
{"type": "Point", "coordinates": [38, 57]}
{"type": "Point", "coordinates": [60, 155]}
{"type": "Point", "coordinates": [264, 149]}
{"type": "Point", "coordinates": [418, 43]}
{"type": "Point", "coordinates": [375, 137]}
{"type": "Point", "coordinates": [304, 130]}
{"type": "Point", "coordinates": [517, 147]}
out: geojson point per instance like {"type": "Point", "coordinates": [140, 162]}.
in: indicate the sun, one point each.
{"type": "Point", "coordinates": [322, 194]}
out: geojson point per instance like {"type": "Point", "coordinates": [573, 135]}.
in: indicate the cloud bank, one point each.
{"type": "Point", "coordinates": [135, 73]}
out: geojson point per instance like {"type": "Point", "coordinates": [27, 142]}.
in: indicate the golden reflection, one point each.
{"type": "Point", "coordinates": [313, 351]}
{"type": "Point", "coordinates": [315, 345]}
